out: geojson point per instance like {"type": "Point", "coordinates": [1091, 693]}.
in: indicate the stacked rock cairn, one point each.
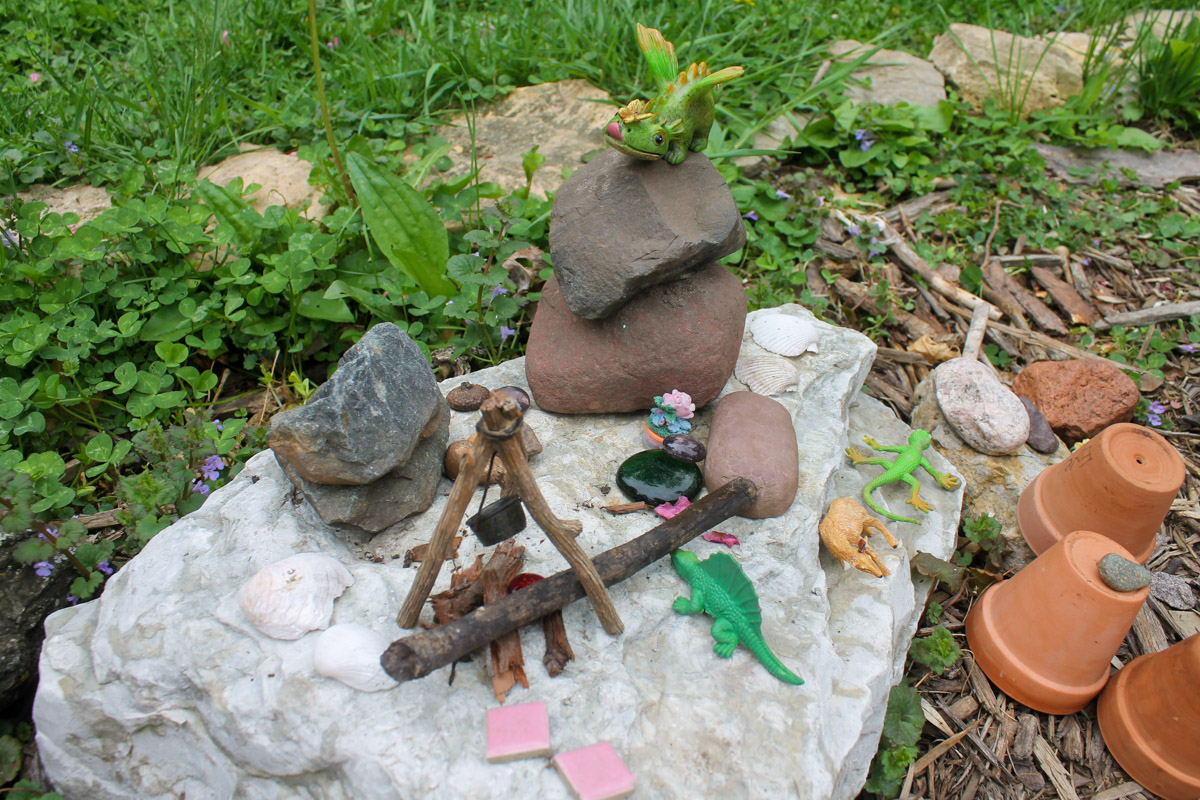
{"type": "Point", "coordinates": [366, 449]}
{"type": "Point", "coordinates": [638, 304]}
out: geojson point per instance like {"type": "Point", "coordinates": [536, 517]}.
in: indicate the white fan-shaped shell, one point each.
{"type": "Point", "coordinates": [765, 373]}
{"type": "Point", "coordinates": [784, 334]}
{"type": "Point", "coordinates": [294, 596]}
{"type": "Point", "coordinates": [350, 653]}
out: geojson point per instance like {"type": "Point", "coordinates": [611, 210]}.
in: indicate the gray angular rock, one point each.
{"type": "Point", "coordinates": [1041, 437]}
{"type": "Point", "coordinates": [1172, 590]}
{"type": "Point", "coordinates": [991, 484]}
{"type": "Point", "coordinates": [26, 601]}
{"type": "Point", "coordinates": [1123, 575]}
{"type": "Point", "coordinates": [752, 437]}
{"type": "Point", "coordinates": [982, 410]}
{"type": "Point", "coordinates": [408, 489]}
{"type": "Point", "coordinates": [162, 687]}
{"type": "Point", "coordinates": [365, 420]}
{"type": "Point", "coordinates": [620, 225]}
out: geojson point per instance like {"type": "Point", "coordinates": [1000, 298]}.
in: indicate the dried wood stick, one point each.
{"type": "Point", "coordinates": [974, 341]}
{"type": "Point", "coordinates": [1064, 295]}
{"type": "Point", "coordinates": [1149, 316]}
{"type": "Point", "coordinates": [909, 257]}
{"type": "Point", "coordinates": [421, 653]}
{"type": "Point", "coordinates": [1053, 344]}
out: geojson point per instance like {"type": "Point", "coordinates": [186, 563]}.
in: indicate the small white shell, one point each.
{"type": "Point", "coordinates": [350, 653]}
{"type": "Point", "coordinates": [764, 373]}
{"type": "Point", "coordinates": [784, 334]}
{"type": "Point", "coordinates": [294, 596]}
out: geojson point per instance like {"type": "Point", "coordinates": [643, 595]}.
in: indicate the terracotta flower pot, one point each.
{"type": "Point", "coordinates": [1046, 636]}
{"type": "Point", "coordinates": [1150, 719]}
{"type": "Point", "coordinates": [1120, 484]}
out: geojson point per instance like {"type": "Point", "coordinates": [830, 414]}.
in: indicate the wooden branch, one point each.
{"type": "Point", "coordinates": [423, 652]}
{"type": "Point", "coordinates": [917, 264]}
{"type": "Point", "coordinates": [1042, 315]}
{"type": "Point", "coordinates": [558, 649]}
{"type": "Point", "coordinates": [859, 295]}
{"type": "Point", "coordinates": [1064, 295]}
{"type": "Point", "coordinates": [974, 341]}
{"type": "Point", "coordinates": [1150, 316]}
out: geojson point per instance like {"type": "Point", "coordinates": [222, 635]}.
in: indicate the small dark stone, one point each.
{"type": "Point", "coordinates": [1041, 437]}
{"type": "Point", "coordinates": [684, 447]}
{"type": "Point", "coordinates": [518, 394]}
{"type": "Point", "coordinates": [655, 478]}
{"type": "Point", "coordinates": [1123, 575]}
{"type": "Point", "coordinates": [467, 396]}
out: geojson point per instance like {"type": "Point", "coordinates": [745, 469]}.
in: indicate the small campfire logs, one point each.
{"type": "Point", "coordinates": [421, 653]}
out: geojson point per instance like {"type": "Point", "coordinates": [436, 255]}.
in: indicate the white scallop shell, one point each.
{"type": "Point", "coordinates": [350, 653]}
{"type": "Point", "coordinates": [294, 596]}
{"type": "Point", "coordinates": [784, 334]}
{"type": "Point", "coordinates": [764, 373]}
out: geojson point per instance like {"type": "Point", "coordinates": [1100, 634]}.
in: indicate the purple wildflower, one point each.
{"type": "Point", "coordinates": [218, 425]}
{"type": "Point", "coordinates": [498, 290]}
{"type": "Point", "coordinates": [9, 237]}
{"type": "Point", "coordinates": [751, 215]}
{"type": "Point", "coordinates": [225, 38]}
{"type": "Point", "coordinates": [1188, 348]}
{"type": "Point", "coordinates": [1154, 419]}
{"type": "Point", "coordinates": [201, 488]}
{"type": "Point", "coordinates": [780, 194]}
{"type": "Point", "coordinates": [72, 599]}
{"type": "Point", "coordinates": [1085, 261]}
{"type": "Point", "coordinates": [211, 468]}
{"type": "Point", "coordinates": [1157, 408]}
{"type": "Point", "coordinates": [70, 147]}
{"type": "Point", "coordinates": [865, 138]}
{"type": "Point", "coordinates": [333, 43]}
{"type": "Point", "coordinates": [105, 567]}
{"type": "Point", "coordinates": [853, 230]}
{"type": "Point", "coordinates": [505, 333]}
{"type": "Point", "coordinates": [43, 569]}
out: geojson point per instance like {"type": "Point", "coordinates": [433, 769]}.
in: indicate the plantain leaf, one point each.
{"type": "Point", "coordinates": [404, 224]}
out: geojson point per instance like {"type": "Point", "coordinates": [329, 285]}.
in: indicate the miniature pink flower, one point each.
{"type": "Point", "coordinates": [225, 38]}
{"type": "Point", "coordinates": [681, 402]}
{"type": "Point", "coordinates": [34, 77]}
{"type": "Point", "coordinates": [669, 510]}
{"type": "Point", "coordinates": [727, 539]}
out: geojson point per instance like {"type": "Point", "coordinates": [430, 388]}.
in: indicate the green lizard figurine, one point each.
{"type": "Point", "coordinates": [721, 590]}
{"type": "Point", "coordinates": [676, 121]}
{"type": "Point", "coordinates": [901, 469]}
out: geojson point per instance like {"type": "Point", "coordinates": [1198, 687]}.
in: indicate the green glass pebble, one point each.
{"type": "Point", "coordinates": [655, 478]}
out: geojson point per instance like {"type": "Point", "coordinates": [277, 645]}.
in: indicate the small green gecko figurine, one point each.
{"type": "Point", "coordinates": [676, 121]}
{"type": "Point", "coordinates": [901, 469]}
{"type": "Point", "coordinates": [721, 590]}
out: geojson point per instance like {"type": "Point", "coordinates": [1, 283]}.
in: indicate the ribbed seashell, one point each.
{"type": "Point", "coordinates": [765, 373]}
{"type": "Point", "coordinates": [784, 334]}
{"type": "Point", "coordinates": [350, 653]}
{"type": "Point", "coordinates": [294, 596]}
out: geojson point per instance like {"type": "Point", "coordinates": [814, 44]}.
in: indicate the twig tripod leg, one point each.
{"type": "Point", "coordinates": [562, 533]}
{"type": "Point", "coordinates": [473, 465]}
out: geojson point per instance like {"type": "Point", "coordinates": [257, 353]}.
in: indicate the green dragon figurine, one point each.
{"type": "Point", "coordinates": [676, 121]}
{"type": "Point", "coordinates": [721, 590]}
{"type": "Point", "coordinates": [901, 469]}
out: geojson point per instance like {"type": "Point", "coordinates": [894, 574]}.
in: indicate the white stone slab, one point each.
{"type": "Point", "coordinates": [161, 687]}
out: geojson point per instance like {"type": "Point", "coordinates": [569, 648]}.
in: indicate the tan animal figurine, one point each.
{"type": "Point", "coordinates": [844, 532]}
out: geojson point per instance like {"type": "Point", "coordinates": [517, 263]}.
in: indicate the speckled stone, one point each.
{"type": "Point", "coordinates": [1041, 437]}
{"type": "Point", "coordinates": [655, 478]}
{"type": "Point", "coordinates": [1172, 590]}
{"type": "Point", "coordinates": [684, 447]}
{"type": "Point", "coordinates": [1123, 575]}
{"type": "Point", "coordinates": [982, 410]}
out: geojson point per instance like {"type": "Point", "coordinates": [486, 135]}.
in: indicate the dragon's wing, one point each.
{"type": "Point", "coordinates": [660, 53]}
{"type": "Point", "coordinates": [729, 576]}
{"type": "Point", "coordinates": [696, 79]}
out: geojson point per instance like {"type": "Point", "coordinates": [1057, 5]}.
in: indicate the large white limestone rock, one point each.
{"type": "Point", "coordinates": [162, 688]}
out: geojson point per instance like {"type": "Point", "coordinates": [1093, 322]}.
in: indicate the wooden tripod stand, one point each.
{"type": "Point", "coordinates": [499, 432]}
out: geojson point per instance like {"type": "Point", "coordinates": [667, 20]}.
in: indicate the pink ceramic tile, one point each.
{"type": "Point", "coordinates": [516, 732]}
{"type": "Point", "coordinates": [595, 772]}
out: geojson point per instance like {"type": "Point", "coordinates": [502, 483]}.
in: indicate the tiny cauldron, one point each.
{"type": "Point", "coordinates": [498, 521]}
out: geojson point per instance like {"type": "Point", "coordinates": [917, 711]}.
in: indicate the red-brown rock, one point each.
{"type": "Point", "coordinates": [1079, 398]}
{"type": "Point", "coordinates": [680, 335]}
{"type": "Point", "coordinates": [752, 437]}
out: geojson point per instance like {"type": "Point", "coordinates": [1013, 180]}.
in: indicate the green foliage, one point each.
{"type": "Point", "coordinates": [902, 724]}
{"type": "Point", "coordinates": [983, 530]}
{"type": "Point", "coordinates": [938, 650]}
{"type": "Point", "coordinates": [1168, 76]}
{"type": "Point", "coordinates": [10, 758]}
{"type": "Point", "coordinates": [28, 790]}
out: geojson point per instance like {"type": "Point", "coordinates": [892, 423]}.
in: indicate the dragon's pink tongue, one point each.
{"type": "Point", "coordinates": [614, 130]}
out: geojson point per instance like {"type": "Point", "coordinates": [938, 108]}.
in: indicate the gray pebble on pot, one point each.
{"type": "Point", "coordinates": [1123, 575]}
